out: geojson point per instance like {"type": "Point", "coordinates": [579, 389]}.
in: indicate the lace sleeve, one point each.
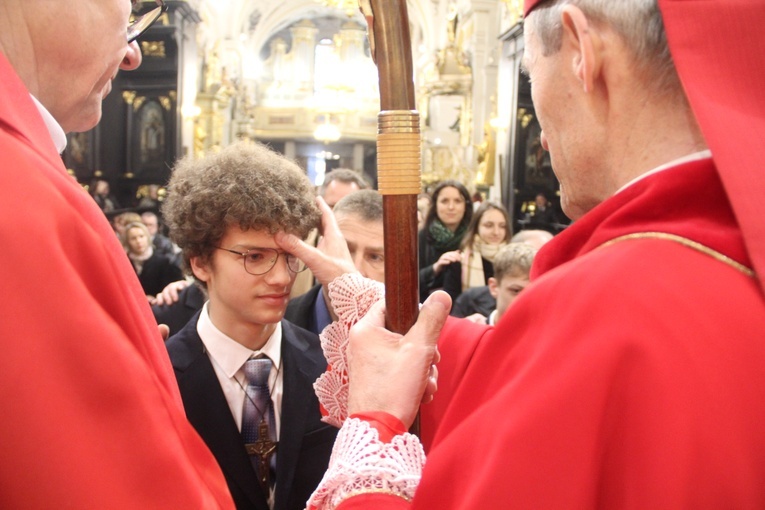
{"type": "Point", "coordinates": [352, 296]}
{"type": "Point", "coordinates": [362, 464]}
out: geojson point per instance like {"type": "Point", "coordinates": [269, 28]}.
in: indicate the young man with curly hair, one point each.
{"type": "Point", "coordinates": [223, 212]}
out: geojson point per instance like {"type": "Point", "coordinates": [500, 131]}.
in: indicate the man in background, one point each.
{"type": "Point", "coordinates": [337, 184]}
{"type": "Point", "coordinates": [359, 216]}
{"type": "Point", "coordinates": [340, 182]}
{"type": "Point", "coordinates": [162, 244]}
{"type": "Point", "coordinates": [95, 416]}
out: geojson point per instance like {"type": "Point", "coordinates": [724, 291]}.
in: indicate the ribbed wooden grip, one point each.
{"type": "Point", "coordinates": [399, 152]}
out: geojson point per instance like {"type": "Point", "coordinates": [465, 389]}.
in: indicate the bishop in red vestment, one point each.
{"type": "Point", "coordinates": [629, 373]}
{"type": "Point", "coordinates": [92, 414]}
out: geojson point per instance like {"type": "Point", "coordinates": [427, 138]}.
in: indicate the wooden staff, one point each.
{"type": "Point", "coordinates": [398, 158]}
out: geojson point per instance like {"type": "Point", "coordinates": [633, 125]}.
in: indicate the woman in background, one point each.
{"type": "Point", "coordinates": [489, 230]}
{"type": "Point", "coordinates": [439, 240]}
{"type": "Point", "coordinates": [154, 271]}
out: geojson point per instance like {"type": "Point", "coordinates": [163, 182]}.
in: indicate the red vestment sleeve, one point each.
{"type": "Point", "coordinates": [457, 344]}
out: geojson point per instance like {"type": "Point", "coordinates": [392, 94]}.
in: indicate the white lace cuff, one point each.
{"type": "Point", "coordinates": [361, 463]}
{"type": "Point", "coordinates": [351, 296]}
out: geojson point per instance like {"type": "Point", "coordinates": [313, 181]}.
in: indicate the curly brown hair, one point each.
{"type": "Point", "coordinates": [245, 184]}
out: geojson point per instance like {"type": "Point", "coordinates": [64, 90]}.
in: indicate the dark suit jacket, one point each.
{"type": "Point", "coordinates": [300, 309]}
{"type": "Point", "coordinates": [474, 299]}
{"type": "Point", "coordinates": [305, 443]}
{"type": "Point", "coordinates": [175, 316]}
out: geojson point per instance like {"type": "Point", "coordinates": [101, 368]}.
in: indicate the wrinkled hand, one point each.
{"type": "Point", "coordinates": [331, 258]}
{"type": "Point", "coordinates": [169, 294]}
{"type": "Point", "coordinates": [447, 258]}
{"type": "Point", "coordinates": [389, 372]}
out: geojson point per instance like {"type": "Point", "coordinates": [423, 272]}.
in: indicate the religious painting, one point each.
{"type": "Point", "coordinates": [152, 133]}
{"type": "Point", "coordinates": [80, 154]}
{"type": "Point", "coordinates": [532, 172]}
{"type": "Point", "coordinates": [534, 161]}
{"type": "Point", "coordinates": [151, 138]}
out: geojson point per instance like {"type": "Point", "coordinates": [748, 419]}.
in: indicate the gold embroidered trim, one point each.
{"type": "Point", "coordinates": [685, 242]}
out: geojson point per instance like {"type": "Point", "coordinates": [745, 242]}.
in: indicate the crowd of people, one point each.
{"type": "Point", "coordinates": [619, 366]}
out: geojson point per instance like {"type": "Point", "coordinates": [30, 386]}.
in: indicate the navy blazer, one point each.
{"type": "Point", "coordinates": [305, 443]}
{"type": "Point", "coordinates": [178, 314]}
{"type": "Point", "coordinates": [300, 309]}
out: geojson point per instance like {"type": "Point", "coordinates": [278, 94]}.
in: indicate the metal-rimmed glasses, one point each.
{"type": "Point", "coordinates": [258, 261]}
{"type": "Point", "coordinates": [142, 23]}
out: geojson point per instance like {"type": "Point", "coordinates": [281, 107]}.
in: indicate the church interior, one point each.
{"type": "Point", "coordinates": [299, 76]}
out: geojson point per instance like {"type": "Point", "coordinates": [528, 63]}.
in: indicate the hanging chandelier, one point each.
{"type": "Point", "coordinates": [327, 132]}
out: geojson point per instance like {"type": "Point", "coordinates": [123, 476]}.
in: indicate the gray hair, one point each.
{"type": "Point", "coordinates": [367, 204]}
{"type": "Point", "coordinates": [637, 22]}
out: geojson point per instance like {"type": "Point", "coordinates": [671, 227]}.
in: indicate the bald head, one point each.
{"type": "Point", "coordinates": [533, 238]}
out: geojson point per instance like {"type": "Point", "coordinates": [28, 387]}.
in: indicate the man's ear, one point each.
{"type": "Point", "coordinates": [200, 269]}
{"type": "Point", "coordinates": [583, 39]}
{"type": "Point", "coordinates": [493, 287]}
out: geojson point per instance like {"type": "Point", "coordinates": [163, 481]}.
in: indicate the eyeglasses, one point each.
{"type": "Point", "coordinates": [142, 23]}
{"type": "Point", "coordinates": [259, 261]}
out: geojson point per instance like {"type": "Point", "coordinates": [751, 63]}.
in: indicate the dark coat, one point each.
{"type": "Point", "coordinates": [176, 315]}
{"type": "Point", "coordinates": [474, 300]}
{"type": "Point", "coordinates": [300, 309]}
{"type": "Point", "coordinates": [158, 271]}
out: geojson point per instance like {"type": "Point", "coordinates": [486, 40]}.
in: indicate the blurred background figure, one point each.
{"type": "Point", "coordinates": [439, 240]}
{"type": "Point", "coordinates": [543, 215]}
{"type": "Point", "coordinates": [121, 221]}
{"type": "Point", "coordinates": [154, 271]}
{"type": "Point", "coordinates": [489, 230]}
{"type": "Point", "coordinates": [161, 243]}
{"type": "Point", "coordinates": [423, 206]}
{"type": "Point", "coordinates": [101, 193]}
{"type": "Point", "coordinates": [339, 182]}
{"type": "Point", "coordinates": [535, 238]}
{"type": "Point", "coordinates": [150, 197]}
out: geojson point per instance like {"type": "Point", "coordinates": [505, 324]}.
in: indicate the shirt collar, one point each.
{"type": "Point", "coordinates": [230, 354]}
{"type": "Point", "coordinates": [54, 128]}
{"type": "Point", "coordinates": [705, 154]}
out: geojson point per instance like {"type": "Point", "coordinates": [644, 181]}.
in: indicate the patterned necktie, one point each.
{"type": "Point", "coordinates": [258, 423]}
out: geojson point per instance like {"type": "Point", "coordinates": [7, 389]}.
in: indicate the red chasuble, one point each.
{"type": "Point", "coordinates": [625, 376]}
{"type": "Point", "coordinates": [92, 415]}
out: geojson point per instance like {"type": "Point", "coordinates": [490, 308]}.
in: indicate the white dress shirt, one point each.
{"type": "Point", "coordinates": [54, 128]}
{"type": "Point", "coordinates": [228, 358]}
{"type": "Point", "coordinates": [706, 154]}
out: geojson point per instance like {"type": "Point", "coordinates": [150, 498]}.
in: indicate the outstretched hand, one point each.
{"type": "Point", "coordinates": [331, 258]}
{"type": "Point", "coordinates": [389, 372]}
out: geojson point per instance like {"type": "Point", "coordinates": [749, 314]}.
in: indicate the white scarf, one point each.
{"type": "Point", "coordinates": [472, 262]}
